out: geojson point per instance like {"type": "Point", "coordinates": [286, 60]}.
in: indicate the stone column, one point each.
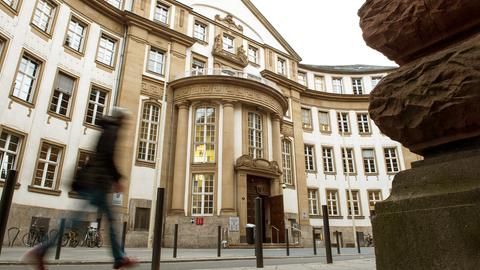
{"type": "Point", "coordinates": [228, 160]}
{"type": "Point", "coordinates": [431, 105]}
{"type": "Point", "coordinates": [276, 151]}
{"type": "Point", "coordinates": [178, 194]}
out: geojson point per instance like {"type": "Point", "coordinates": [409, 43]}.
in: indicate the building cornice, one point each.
{"type": "Point", "coordinates": [106, 9]}
{"type": "Point", "coordinates": [346, 70]}
{"type": "Point", "coordinates": [282, 80]}
{"type": "Point", "coordinates": [335, 97]}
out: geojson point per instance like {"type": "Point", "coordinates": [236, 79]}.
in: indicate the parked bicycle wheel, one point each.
{"type": "Point", "coordinates": [65, 239]}
{"type": "Point", "coordinates": [99, 241]}
{"type": "Point", "coordinates": [29, 239]}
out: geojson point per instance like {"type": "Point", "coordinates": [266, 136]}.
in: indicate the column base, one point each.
{"type": "Point", "coordinates": [432, 218]}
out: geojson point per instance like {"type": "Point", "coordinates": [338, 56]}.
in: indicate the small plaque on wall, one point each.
{"type": "Point", "coordinates": [117, 199]}
{"type": "Point", "coordinates": [234, 224]}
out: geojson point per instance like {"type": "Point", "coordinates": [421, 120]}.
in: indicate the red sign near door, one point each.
{"type": "Point", "coordinates": [199, 221]}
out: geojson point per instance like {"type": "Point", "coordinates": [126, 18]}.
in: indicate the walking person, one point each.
{"type": "Point", "coordinates": [93, 183]}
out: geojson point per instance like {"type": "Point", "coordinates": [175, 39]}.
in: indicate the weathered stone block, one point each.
{"type": "Point", "coordinates": [431, 101]}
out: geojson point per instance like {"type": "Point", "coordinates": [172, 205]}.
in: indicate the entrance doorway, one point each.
{"type": "Point", "coordinates": [273, 214]}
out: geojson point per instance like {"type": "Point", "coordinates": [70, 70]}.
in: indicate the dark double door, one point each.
{"type": "Point", "coordinates": [273, 214]}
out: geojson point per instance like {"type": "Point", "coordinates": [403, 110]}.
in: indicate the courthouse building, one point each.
{"type": "Point", "coordinates": [222, 111]}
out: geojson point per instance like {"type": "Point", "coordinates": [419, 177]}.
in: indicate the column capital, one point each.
{"type": "Point", "coordinates": [183, 105]}
{"type": "Point", "coordinates": [228, 102]}
{"type": "Point", "coordinates": [276, 117]}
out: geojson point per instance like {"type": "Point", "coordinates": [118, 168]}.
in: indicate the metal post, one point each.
{"type": "Point", "coordinates": [219, 241]}
{"type": "Point", "coordinates": [175, 241]}
{"type": "Point", "coordinates": [157, 236]}
{"type": "Point", "coordinates": [259, 231]}
{"type": "Point", "coordinates": [326, 232]}
{"type": "Point", "coordinates": [59, 238]}
{"type": "Point", "coordinates": [287, 242]}
{"type": "Point", "coordinates": [124, 235]}
{"type": "Point", "coordinates": [338, 242]}
{"type": "Point", "coordinates": [6, 202]}
{"type": "Point", "coordinates": [99, 221]}
{"type": "Point", "coordinates": [358, 242]}
{"type": "Point", "coordinates": [314, 242]}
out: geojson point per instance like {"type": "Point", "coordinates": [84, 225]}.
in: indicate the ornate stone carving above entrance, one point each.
{"type": "Point", "coordinates": [249, 164]}
{"type": "Point", "coordinates": [228, 21]}
{"type": "Point", "coordinates": [240, 58]}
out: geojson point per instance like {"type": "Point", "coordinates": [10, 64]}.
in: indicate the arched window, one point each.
{"type": "Point", "coordinates": [204, 143]}
{"type": "Point", "coordinates": [287, 162]}
{"type": "Point", "coordinates": [149, 126]}
{"type": "Point", "coordinates": [255, 135]}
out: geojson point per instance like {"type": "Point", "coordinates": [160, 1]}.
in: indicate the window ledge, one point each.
{"type": "Point", "coordinates": [254, 64]}
{"type": "Point", "coordinates": [308, 129]}
{"type": "Point", "coordinates": [44, 35]}
{"type": "Point", "coordinates": [92, 126]}
{"type": "Point", "coordinates": [44, 191]}
{"type": "Point", "coordinates": [73, 52]}
{"type": "Point", "coordinates": [371, 174]}
{"type": "Point", "coordinates": [143, 163]}
{"type": "Point", "coordinates": [326, 132]}
{"type": "Point", "coordinates": [335, 217]}
{"type": "Point", "coordinates": [22, 102]}
{"type": "Point", "coordinates": [202, 42]}
{"type": "Point", "coordinates": [74, 195]}
{"type": "Point", "coordinates": [315, 216]}
{"type": "Point", "coordinates": [365, 134]}
{"type": "Point", "coordinates": [11, 11]}
{"type": "Point", "coordinates": [330, 173]}
{"type": "Point", "coordinates": [311, 172]}
{"type": "Point", "coordinates": [59, 116]}
{"type": "Point", "coordinates": [290, 186]}
{"type": "Point", "coordinates": [356, 217]}
{"type": "Point", "coordinates": [104, 66]}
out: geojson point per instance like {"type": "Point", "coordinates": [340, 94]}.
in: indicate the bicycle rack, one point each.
{"type": "Point", "coordinates": [10, 241]}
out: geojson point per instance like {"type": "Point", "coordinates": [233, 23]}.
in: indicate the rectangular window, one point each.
{"type": "Point", "coordinates": [43, 15]}
{"type": "Point", "coordinates": [374, 196]}
{"type": "Point", "coordinates": [202, 194]}
{"type": "Point", "coordinates": [142, 219]}
{"type": "Point", "coordinates": [48, 166]}
{"type": "Point", "coordinates": [96, 105]}
{"type": "Point", "coordinates": [356, 203]}
{"type": "Point", "coordinates": [343, 123]}
{"type": "Point", "coordinates": [281, 66]}
{"type": "Point", "coordinates": [302, 78]}
{"type": "Point", "coordinates": [313, 202]}
{"type": "Point", "coordinates": [375, 81]}
{"type": "Point", "coordinates": [3, 42]}
{"type": "Point", "coordinates": [26, 79]}
{"type": "Point", "coordinates": [363, 122]}
{"type": "Point", "coordinates": [255, 135]}
{"type": "Point", "coordinates": [391, 160]}
{"type": "Point", "coordinates": [348, 161]}
{"type": "Point", "coordinates": [309, 158]}
{"type": "Point", "coordinates": [62, 94]}
{"type": "Point", "coordinates": [115, 3]}
{"type": "Point", "coordinates": [337, 84]}
{"type": "Point", "coordinates": [156, 60]}
{"type": "Point", "coordinates": [253, 54]}
{"type": "Point", "coordinates": [10, 146]}
{"type": "Point", "coordinates": [106, 50]}
{"type": "Point", "coordinates": [287, 162]}
{"type": "Point", "coordinates": [200, 31]}
{"type": "Point", "coordinates": [76, 34]}
{"type": "Point", "coordinates": [319, 83]}
{"type": "Point", "coordinates": [198, 67]}
{"type": "Point", "coordinates": [306, 118]}
{"type": "Point", "coordinates": [161, 13]}
{"type": "Point", "coordinates": [83, 159]}
{"type": "Point", "coordinates": [357, 85]}
{"type": "Point", "coordinates": [332, 203]}
{"type": "Point", "coordinates": [147, 146]}
{"type": "Point", "coordinates": [11, 3]}
{"type": "Point", "coordinates": [368, 156]}
{"type": "Point", "coordinates": [328, 157]}
{"type": "Point", "coordinates": [324, 120]}
{"type": "Point", "coordinates": [204, 145]}
{"type": "Point", "coordinates": [228, 44]}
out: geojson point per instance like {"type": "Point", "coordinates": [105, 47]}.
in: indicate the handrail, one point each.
{"type": "Point", "coordinates": [226, 72]}
{"type": "Point", "coordinates": [278, 234]}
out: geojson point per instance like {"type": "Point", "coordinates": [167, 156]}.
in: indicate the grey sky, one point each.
{"type": "Point", "coordinates": [323, 32]}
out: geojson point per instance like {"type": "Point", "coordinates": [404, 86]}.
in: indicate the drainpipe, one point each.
{"type": "Point", "coordinates": [160, 143]}
{"type": "Point", "coordinates": [120, 72]}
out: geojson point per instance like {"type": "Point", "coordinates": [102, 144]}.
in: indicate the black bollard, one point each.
{"type": "Point", "coordinates": [338, 242]}
{"type": "Point", "coordinates": [6, 203]}
{"type": "Point", "coordinates": [358, 242]}
{"type": "Point", "coordinates": [219, 241]}
{"type": "Point", "coordinates": [175, 241]}
{"type": "Point", "coordinates": [59, 239]}
{"type": "Point", "coordinates": [287, 242]}
{"type": "Point", "coordinates": [326, 232]}
{"type": "Point", "coordinates": [157, 235]}
{"type": "Point", "coordinates": [314, 242]}
{"type": "Point", "coordinates": [124, 235]}
{"type": "Point", "coordinates": [259, 231]}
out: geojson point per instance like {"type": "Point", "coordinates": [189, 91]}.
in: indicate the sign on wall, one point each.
{"type": "Point", "coordinates": [234, 224]}
{"type": "Point", "coordinates": [117, 199]}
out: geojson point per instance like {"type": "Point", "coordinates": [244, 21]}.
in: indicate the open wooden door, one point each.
{"type": "Point", "coordinates": [277, 218]}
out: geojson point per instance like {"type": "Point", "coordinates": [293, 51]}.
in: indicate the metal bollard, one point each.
{"type": "Point", "coordinates": [175, 241]}
{"type": "Point", "coordinates": [358, 242]}
{"type": "Point", "coordinates": [338, 242]}
{"type": "Point", "coordinates": [287, 242]}
{"type": "Point", "coordinates": [157, 235]}
{"type": "Point", "coordinates": [59, 239]}
{"type": "Point", "coordinates": [259, 231]}
{"type": "Point", "coordinates": [314, 242]}
{"type": "Point", "coordinates": [219, 241]}
{"type": "Point", "coordinates": [124, 235]}
{"type": "Point", "coordinates": [326, 232]}
{"type": "Point", "coordinates": [6, 203]}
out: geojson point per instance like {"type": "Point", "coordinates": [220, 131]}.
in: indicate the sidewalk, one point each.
{"type": "Point", "coordinates": [11, 256]}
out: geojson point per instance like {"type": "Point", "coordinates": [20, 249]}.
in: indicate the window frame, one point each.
{"type": "Point", "coordinates": [71, 103]}
{"type": "Point", "coordinates": [115, 50]}
{"type": "Point", "coordinates": [38, 79]}
{"type": "Point", "coordinates": [307, 126]}
{"type": "Point", "coordinates": [329, 202]}
{"type": "Point", "coordinates": [164, 5]}
{"type": "Point", "coordinates": [374, 78]}
{"type": "Point", "coordinates": [311, 199]}
{"type": "Point", "coordinates": [371, 203]}
{"type": "Point", "coordinates": [320, 125]}
{"type": "Point", "coordinates": [358, 89]}
{"type": "Point", "coordinates": [225, 47]}
{"type": "Point", "coordinates": [324, 160]}
{"type": "Point", "coordinates": [120, 4]}
{"type": "Point", "coordinates": [106, 105]}
{"type": "Point", "coordinates": [205, 34]}
{"type": "Point", "coordinates": [203, 194]}
{"type": "Point", "coordinates": [341, 85]}
{"type": "Point", "coordinates": [396, 157]}
{"type": "Point", "coordinates": [261, 136]}
{"type": "Point", "coordinates": [362, 122]}
{"type": "Point", "coordinates": [20, 152]}
{"type": "Point", "coordinates": [86, 31]}
{"type": "Point", "coordinates": [164, 59]}
{"type": "Point", "coordinates": [138, 228]}
{"type": "Point", "coordinates": [375, 163]}
{"type": "Point", "coordinates": [256, 61]}
{"type": "Point", "coordinates": [305, 79]}
{"type": "Point", "coordinates": [310, 158]}
{"type": "Point", "coordinates": [315, 84]}
{"type": "Point", "coordinates": [346, 160]}
{"type": "Point", "coordinates": [358, 201]}
{"type": "Point", "coordinates": [146, 162]}
{"type": "Point", "coordinates": [282, 66]}
{"type": "Point", "coordinates": [10, 10]}
{"type": "Point", "coordinates": [55, 190]}
{"type": "Point", "coordinates": [215, 128]}
{"type": "Point", "coordinates": [198, 71]}
{"type": "Point", "coordinates": [340, 123]}
{"type": "Point", "coordinates": [47, 33]}
{"type": "Point", "coordinates": [288, 157]}
{"type": "Point", "coordinates": [3, 53]}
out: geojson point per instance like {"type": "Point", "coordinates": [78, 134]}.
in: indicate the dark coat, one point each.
{"type": "Point", "coordinates": [101, 172]}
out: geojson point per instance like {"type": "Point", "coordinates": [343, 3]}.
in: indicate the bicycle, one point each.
{"type": "Point", "coordinates": [92, 238]}
{"type": "Point", "coordinates": [70, 238]}
{"type": "Point", "coordinates": [34, 236]}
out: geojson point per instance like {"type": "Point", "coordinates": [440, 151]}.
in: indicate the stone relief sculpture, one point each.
{"type": "Point", "coordinates": [228, 20]}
